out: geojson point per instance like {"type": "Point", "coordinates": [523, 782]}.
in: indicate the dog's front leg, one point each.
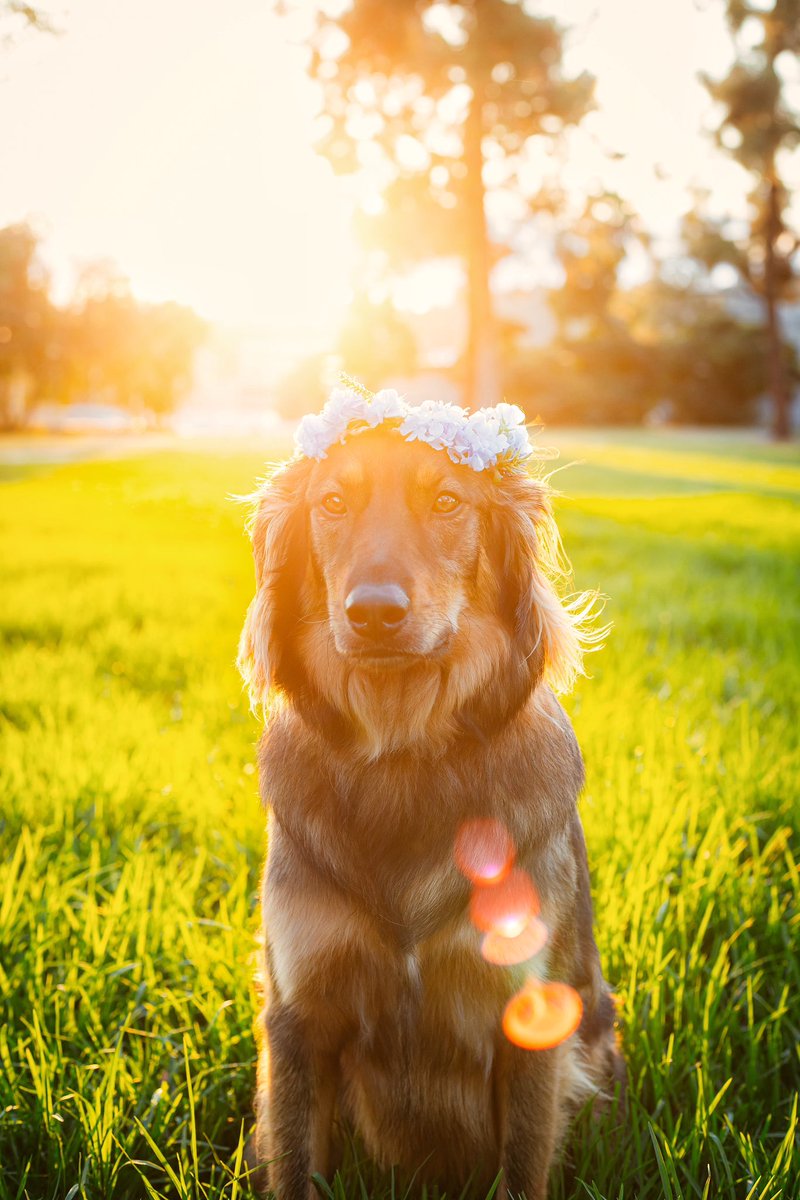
{"type": "Point", "coordinates": [297, 1092]}
{"type": "Point", "coordinates": [528, 1108]}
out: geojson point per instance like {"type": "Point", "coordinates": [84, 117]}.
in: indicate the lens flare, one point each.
{"type": "Point", "coordinates": [505, 907]}
{"type": "Point", "coordinates": [542, 1015]}
{"type": "Point", "coordinates": [484, 851]}
{"type": "Point", "coordinates": [510, 951]}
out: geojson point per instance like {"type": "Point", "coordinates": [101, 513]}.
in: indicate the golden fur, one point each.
{"type": "Point", "coordinates": [379, 1006]}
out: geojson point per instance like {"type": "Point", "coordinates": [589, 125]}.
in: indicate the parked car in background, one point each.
{"type": "Point", "coordinates": [85, 418]}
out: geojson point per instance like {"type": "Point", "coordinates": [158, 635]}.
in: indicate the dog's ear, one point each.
{"type": "Point", "coordinates": [267, 653]}
{"type": "Point", "coordinates": [549, 634]}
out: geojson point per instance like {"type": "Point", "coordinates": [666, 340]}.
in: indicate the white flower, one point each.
{"type": "Point", "coordinates": [485, 442]}
{"type": "Point", "coordinates": [343, 407]}
{"type": "Point", "coordinates": [317, 432]}
{"type": "Point", "coordinates": [313, 436]}
{"type": "Point", "coordinates": [511, 420]}
{"type": "Point", "coordinates": [438, 425]}
{"type": "Point", "coordinates": [508, 415]}
{"type": "Point", "coordinates": [385, 406]}
{"type": "Point", "coordinates": [478, 440]}
{"type": "Point", "coordinates": [519, 442]}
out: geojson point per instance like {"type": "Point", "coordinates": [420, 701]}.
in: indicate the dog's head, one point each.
{"type": "Point", "coordinates": [404, 595]}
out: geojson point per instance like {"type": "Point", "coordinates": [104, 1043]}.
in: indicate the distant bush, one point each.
{"type": "Point", "coordinates": [679, 352]}
{"type": "Point", "coordinates": [602, 381]}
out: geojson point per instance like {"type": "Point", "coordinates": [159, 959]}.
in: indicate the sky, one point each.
{"type": "Point", "coordinates": [175, 138]}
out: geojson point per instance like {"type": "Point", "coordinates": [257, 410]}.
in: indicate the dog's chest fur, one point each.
{"type": "Point", "coordinates": [367, 926]}
{"type": "Point", "coordinates": [381, 832]}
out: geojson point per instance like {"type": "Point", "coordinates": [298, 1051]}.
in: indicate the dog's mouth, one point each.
{"type": "Point", "coordinates": [391, 658]}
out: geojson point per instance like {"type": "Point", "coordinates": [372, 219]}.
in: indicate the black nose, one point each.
{"type": "Point", "coordinates": [376, 609]}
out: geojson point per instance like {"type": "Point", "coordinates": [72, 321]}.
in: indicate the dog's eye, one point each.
{"type": "Point", "coordinates": [446, 502]}
{"type": "Point", "coordinates": [334, 504]}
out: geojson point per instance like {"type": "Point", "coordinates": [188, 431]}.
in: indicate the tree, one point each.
{"type": "Point", "coordinates": [674, 351]}
{"type": "Point", "coordinates": [169, 334]}
{"type": "Point", "coordinates": [103, 340]}
{"type": "Point", "coordinates": [139, 356]}
{"type": "Point", "coordinates": [590, 247]}
{"type": "Point", "coordinates": [29, 341]}
{"type": "Point", "coordinates": [757, 128]}
{"type": "Point", "coordinates": [105, 344]}
{"type": "Point", "coordinates": [594, 371]}
{"type": "Point", "coordinates": [620, 354]}
{"type": "Point", "coordinates": [706, 366]}
{"type": "Point", "coordinates": [423, 94]}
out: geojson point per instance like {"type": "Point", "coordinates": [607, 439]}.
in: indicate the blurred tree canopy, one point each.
{"type": "Point", "coordinates": [619, 355]}
{"type": "Point", "coordinates": [590, 248]}
{"type": "Point", "coordinates": [710, 368]}
{"type": "Point", "coordinates": [593, 371]}
{"type": "Point", "coordinates": [105, 345]}
{"type": "Point", "coordinates": [30, 348]}
{"type": "Point", "coordinates": [138, 355]}
{"type": "Point", "coordinates": [758, 128]}
{"type": "Point", "coordinates": [432, 98]}
{"type": "Point", "coordinates": [701, 366]}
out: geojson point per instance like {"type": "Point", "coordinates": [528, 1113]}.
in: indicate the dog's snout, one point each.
{"type": "Point", "coordinates": [377, 609]}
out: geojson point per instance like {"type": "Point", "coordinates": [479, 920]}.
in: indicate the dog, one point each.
{"type": "Point", "coordinates": [405, 641]}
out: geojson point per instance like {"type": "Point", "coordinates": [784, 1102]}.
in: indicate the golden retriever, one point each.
{"type": "Point", "coordinates": [405, 639]}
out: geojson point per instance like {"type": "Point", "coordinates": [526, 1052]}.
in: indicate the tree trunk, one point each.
{"type": "Point", "coordinates": [482, 374]}
{"type": "Point", "coordinates": [778, 382]}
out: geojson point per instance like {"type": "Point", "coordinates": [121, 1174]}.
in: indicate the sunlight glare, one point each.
{"type": "Point", "coordinates": [542, 1015]}
{"type": "Point", "coordinates": [484, 850]}
{"type": "Point", "coordinates": [503, 951]}
{"type": "Point", "coordinates": [196, 174]}
{"type": "Point", "coordinates": [505, 907]}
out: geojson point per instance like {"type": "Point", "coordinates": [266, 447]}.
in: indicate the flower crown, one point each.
{"type": "Point", "coordinates": [491, 437]}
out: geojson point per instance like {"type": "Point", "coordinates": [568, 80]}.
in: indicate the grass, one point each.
{"type": "Point", "coordinates": [131, 835]}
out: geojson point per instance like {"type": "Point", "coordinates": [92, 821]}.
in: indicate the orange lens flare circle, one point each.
{"type": "Point", "coordinates": [484, 850]}
{"type": "Point", "coordinates": [505, 907]}
{"type": "Point", "coordinates": [510, 951]}
{"type": "Point", "coordinates": [542, 1015]}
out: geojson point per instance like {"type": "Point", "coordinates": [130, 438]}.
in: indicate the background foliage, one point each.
{"type": "Point", "coordinates": [103, 346]}
{"type": "Point", "coordinates": [445, 108]}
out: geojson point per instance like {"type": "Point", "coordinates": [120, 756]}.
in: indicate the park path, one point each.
{"type": "Point", "coordinates": [22, 451]}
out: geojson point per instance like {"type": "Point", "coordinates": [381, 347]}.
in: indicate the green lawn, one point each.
{"type": "Point", "coordinates": [131, 834]}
